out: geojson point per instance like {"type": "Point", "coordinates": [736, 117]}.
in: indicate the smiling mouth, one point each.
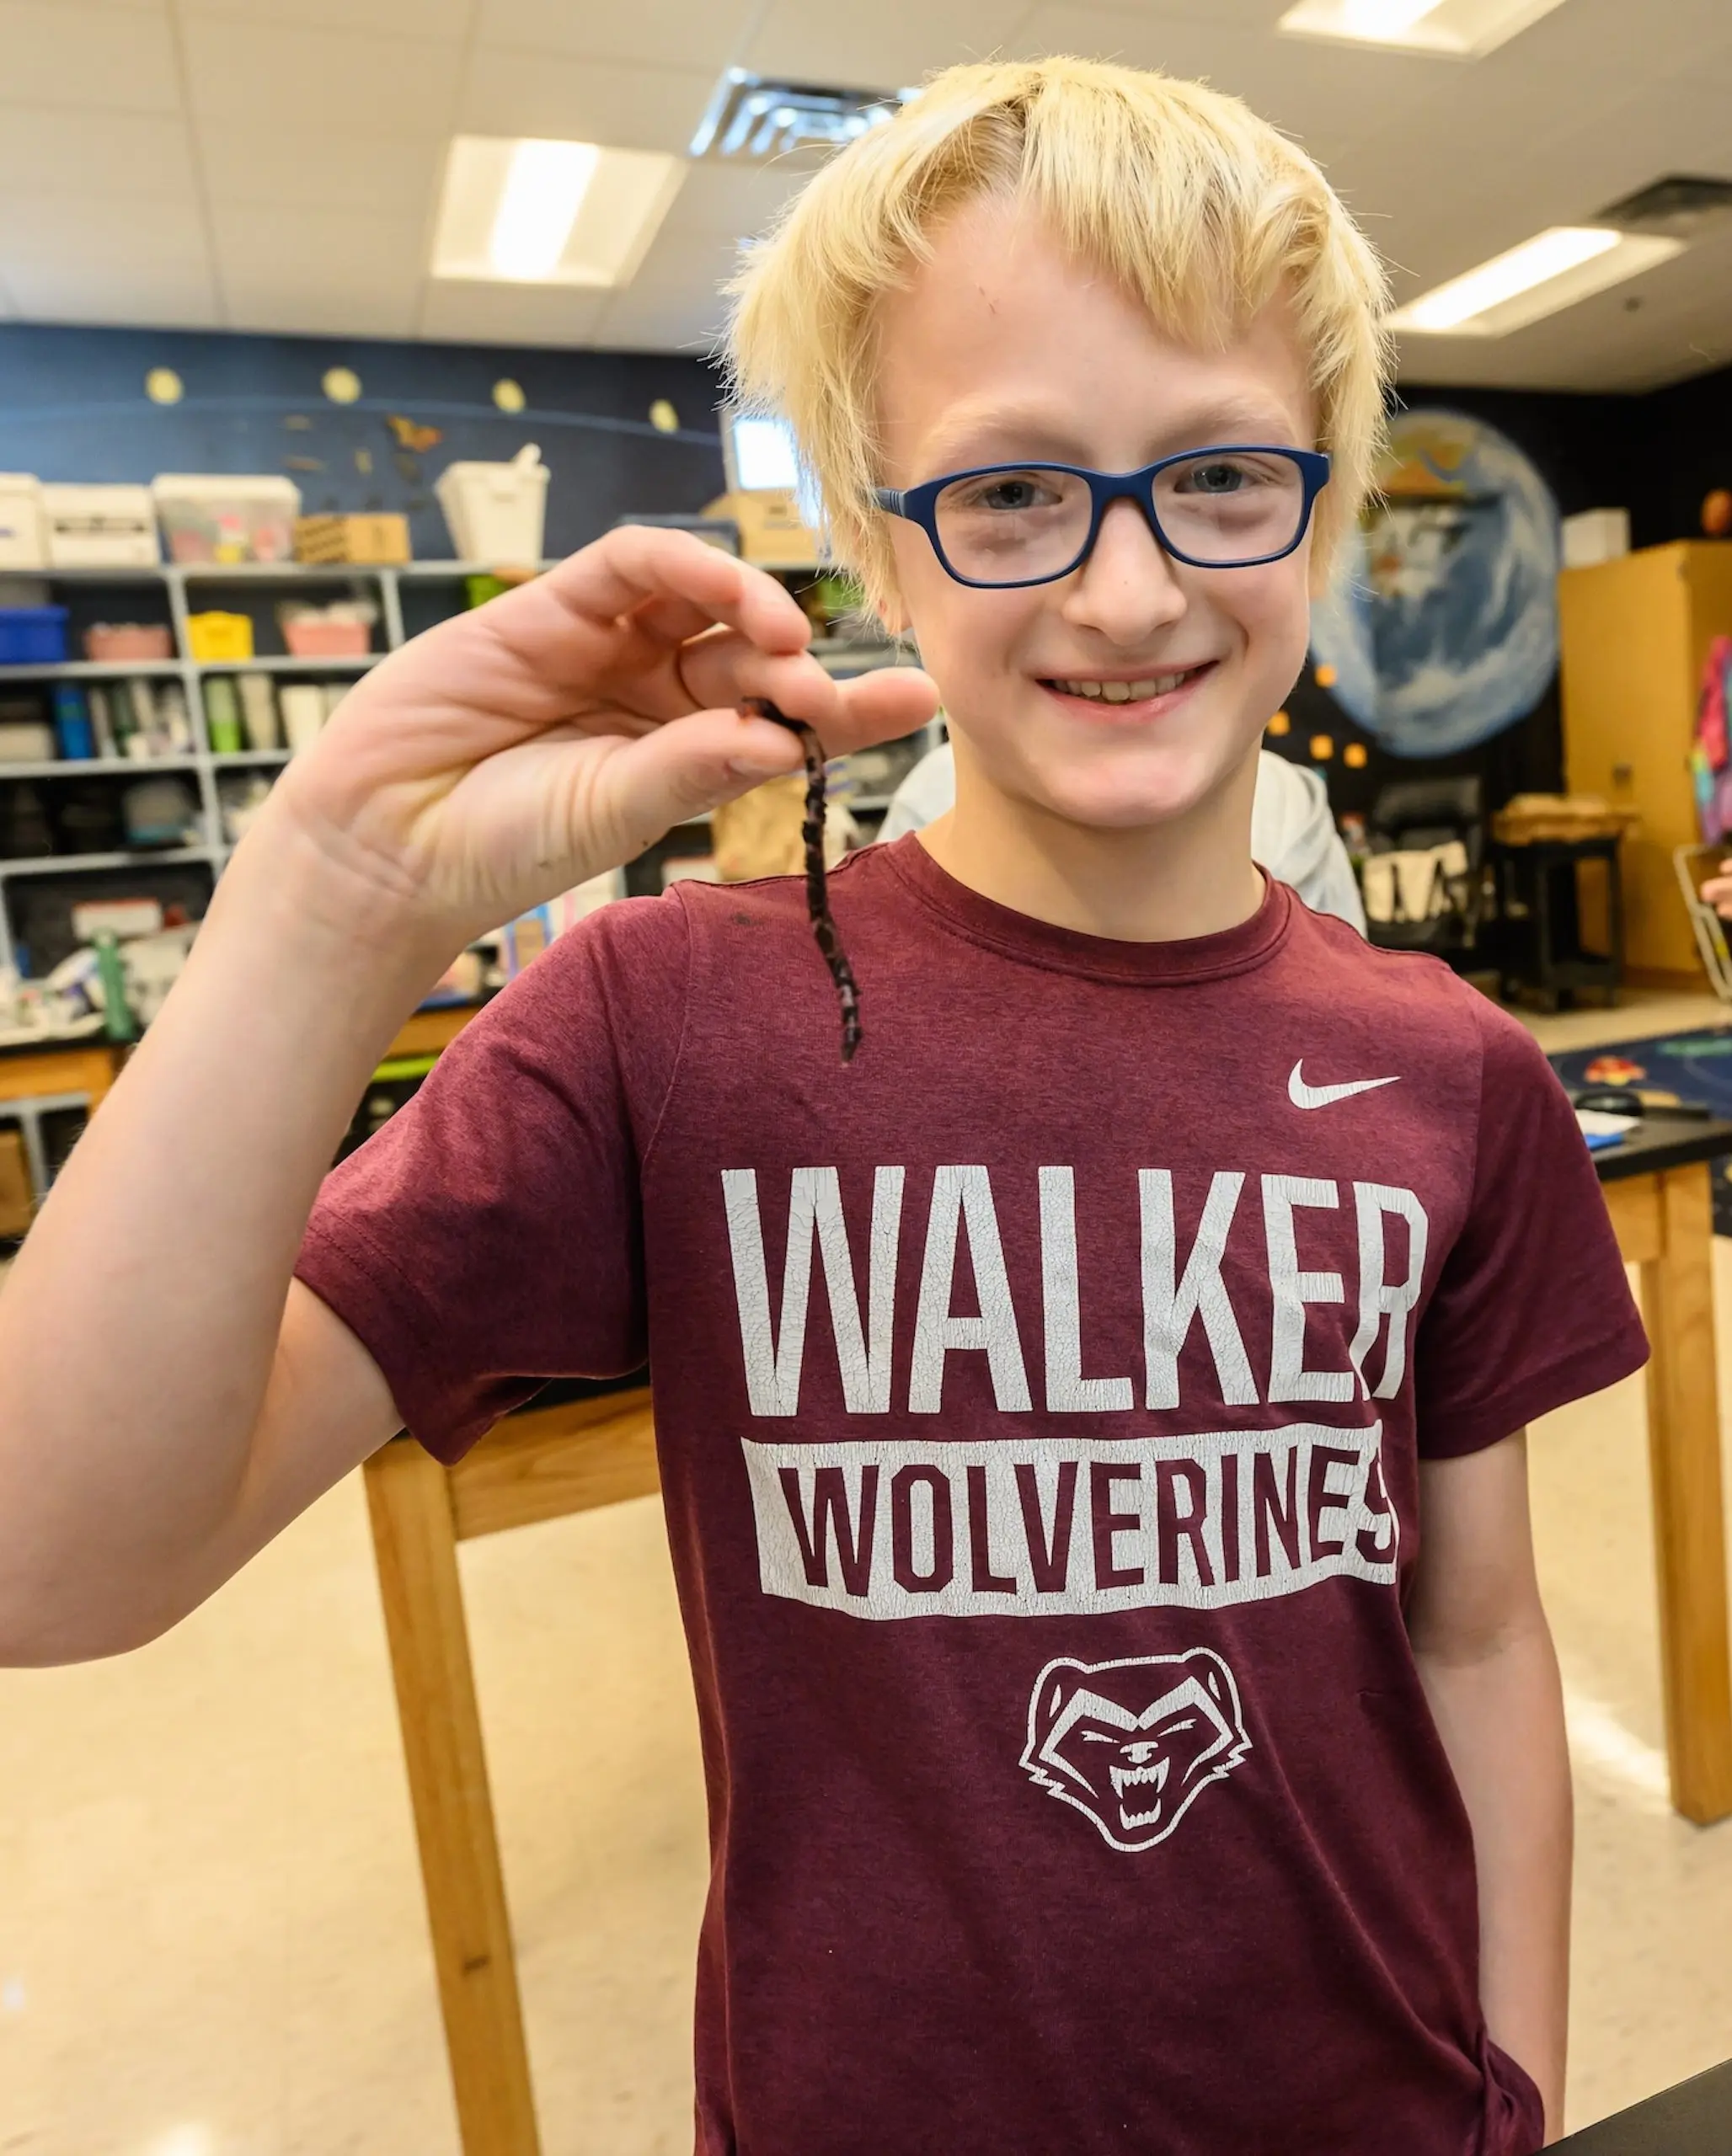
{"type": "Point", "coordinates": [1146, 689]}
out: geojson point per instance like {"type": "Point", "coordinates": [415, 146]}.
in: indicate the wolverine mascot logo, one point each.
{"type": "Point", "coordinates": [1133, 1743]}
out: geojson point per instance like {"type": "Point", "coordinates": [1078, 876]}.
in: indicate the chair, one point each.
{"type": "Point", "coordinates": [1414, 816]}
{"type": "Point", "coordinates": [597, 1448]}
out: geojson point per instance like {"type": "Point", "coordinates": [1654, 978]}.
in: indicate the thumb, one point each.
{"type": "Point", "coordinates": [690, 765]}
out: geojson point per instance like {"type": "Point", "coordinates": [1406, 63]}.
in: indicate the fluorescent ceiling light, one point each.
{"type": "Point", "coordinates": [1552, 270]}
{"type": "Point", "coordinates": [540, 212]}
{"type": "Point", "coordinates": [545, 185]}
{"type": "Point", "coordinates": [1460, 29]}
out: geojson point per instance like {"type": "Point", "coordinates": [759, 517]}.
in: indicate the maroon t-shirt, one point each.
{"type": "Point", "coordinates": [1040, 1401]}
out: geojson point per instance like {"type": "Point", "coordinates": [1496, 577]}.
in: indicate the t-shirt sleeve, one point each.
{"type": "Point", "coordinates": [1532, 1307]}
{"type": "Point", "coordinates": [489, 1236]}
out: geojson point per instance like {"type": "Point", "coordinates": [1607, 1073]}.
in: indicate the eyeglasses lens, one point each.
{"type": "Point", "coordinates": [1009, 526]}
{"type": "Point", "coordinates": [1018, 524]}
{"type": "Point", "coordinates": [1225, 509]}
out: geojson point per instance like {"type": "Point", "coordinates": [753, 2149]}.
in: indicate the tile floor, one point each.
{"type": "Point", "coordinates": [212, 1940]}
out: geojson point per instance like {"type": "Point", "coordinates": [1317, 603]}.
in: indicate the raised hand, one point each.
{"type": "Point", "coordinates": [559, 730]}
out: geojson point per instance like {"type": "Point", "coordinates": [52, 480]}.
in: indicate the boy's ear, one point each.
{"type": "Point", "coordinates": [892, 613]}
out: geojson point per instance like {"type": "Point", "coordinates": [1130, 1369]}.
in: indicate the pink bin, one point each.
{"type": "Point", "coordinates": [133, 640]}
{"type": "Point", "coordinates": [315, 639]}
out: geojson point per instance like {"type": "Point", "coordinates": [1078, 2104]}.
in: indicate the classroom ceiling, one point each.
{"type": "Point", "coordinates": [274, 164]}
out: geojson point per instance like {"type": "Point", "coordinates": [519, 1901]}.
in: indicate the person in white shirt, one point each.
{"type": "Point", "coordinates": [1293, 836]}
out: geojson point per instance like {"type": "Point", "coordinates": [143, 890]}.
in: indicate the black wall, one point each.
{"type": "Point", "coordinates": [74, 406]}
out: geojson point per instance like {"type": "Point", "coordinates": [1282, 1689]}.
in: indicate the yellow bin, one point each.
{"type": "Point", "coordinates": [216, 635]}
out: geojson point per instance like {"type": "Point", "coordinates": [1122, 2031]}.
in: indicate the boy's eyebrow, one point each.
{"type": "Point", "coordinates": [991, 434]}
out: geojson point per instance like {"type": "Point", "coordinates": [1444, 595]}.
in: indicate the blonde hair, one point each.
{"type": "Point", "coordinates": [1182, 195]}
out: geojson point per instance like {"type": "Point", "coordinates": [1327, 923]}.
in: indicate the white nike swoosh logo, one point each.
{"type": "Point", "coordinates": [1319, 1097]}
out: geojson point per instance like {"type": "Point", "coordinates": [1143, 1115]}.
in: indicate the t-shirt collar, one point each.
{"type": "Point", "coordinates": [1233, 950]}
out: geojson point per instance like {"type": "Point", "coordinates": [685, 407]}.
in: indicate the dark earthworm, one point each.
{"type": "Point", "coordinates": [817, 884]}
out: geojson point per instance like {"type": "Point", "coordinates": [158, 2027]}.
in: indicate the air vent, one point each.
{"type": "Point", "coordinates": [753, 119]}
{"type": "Point", "coordinates": [1681, 206]}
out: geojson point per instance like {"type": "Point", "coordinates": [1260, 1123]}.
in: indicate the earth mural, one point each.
{"type": "Point", "coordinates": [1440, 620]}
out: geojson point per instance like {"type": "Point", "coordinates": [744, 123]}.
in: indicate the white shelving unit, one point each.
{"type": "Point", "coordinates": [183, 587]}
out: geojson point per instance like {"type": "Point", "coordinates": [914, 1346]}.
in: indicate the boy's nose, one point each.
{"type": "Point", "coordinates": [1126, 588]}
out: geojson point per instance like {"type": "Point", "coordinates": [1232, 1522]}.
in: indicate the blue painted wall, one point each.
{"type": "Point", "coordinates": [73, 406]}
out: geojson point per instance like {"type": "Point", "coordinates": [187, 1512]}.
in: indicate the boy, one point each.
{"type": "Point", "coordinates": [1089, 1421]}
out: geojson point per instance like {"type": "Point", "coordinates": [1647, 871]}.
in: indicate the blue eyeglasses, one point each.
{"type": "Point", "coordinates": [1228, 507]}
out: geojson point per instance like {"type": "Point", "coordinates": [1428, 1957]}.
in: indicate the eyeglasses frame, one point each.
{"type": "Point", "coordinates": [920, 504]}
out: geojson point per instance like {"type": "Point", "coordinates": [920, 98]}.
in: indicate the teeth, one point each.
{"type": "Point", "coordinates": [1124, 692]}
{"type": "Point", "coordinates": [1126, 1778]}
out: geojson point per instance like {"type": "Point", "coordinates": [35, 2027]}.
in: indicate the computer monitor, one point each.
{"type": "Point", "coordinates": [758, 454]}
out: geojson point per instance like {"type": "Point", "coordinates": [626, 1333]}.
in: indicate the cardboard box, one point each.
{"type": "Point", "coordinates": [1594, 536]}
{"type": "Point", "coordinates": [379, 540]}
{"type": "Point", "coordinates": [99, 527]}
{"type": "Point", "coordinates": [17, 1199]}
{"type": "Point", "coordinates": [772, 533]}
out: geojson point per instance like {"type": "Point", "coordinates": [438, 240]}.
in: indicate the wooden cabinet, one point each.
{"type": "Point", "coordinates": [1635, 632]}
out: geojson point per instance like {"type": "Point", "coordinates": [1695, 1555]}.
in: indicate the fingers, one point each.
{"type": "Point", "coordinates": [688, 767]}
{"type": "Point", "coordinates": [719, 669]}
{"type": "Point", "coordinates": [636, 564]}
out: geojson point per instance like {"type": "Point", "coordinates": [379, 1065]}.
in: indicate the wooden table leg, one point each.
{"type": "Point", "coordinates": [408, 1499]}
{"type": "Point", "coordinates": [1684, 1456]}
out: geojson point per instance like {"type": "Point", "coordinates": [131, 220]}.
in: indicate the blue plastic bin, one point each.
{"type": "Point", "coordinates": [32, 636]}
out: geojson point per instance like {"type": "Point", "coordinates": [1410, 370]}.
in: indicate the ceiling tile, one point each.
{"type": "Point", "coordinates": [657, 319]}
{"type": "Point", "coordinates": [256, 241]}
{"type": "Point", "coordinates": [408, 18]}
{"type": "Point", "coordinates": [627, 108]}
{"type": "Point", "coordinates": [509, 314]}
{"type": "Point", "coordinates": [62, 52]}
{"type": "Point", "coordinates": [704, 35]}
{"type": "Point", "coordinates": [695, 263]}
{"type": "Point", "coordinates": [46, 151]}
{"type": "Point", "coordinates": [268, 75]}
{"type": "Point", "coordinates": [287, 309]}
{"type": "Point", "coordinates": [393, 174]}
{"type": "Point", "coordinates": [112, 258]}
{"type": "Point", "coordinates": [882, 48]}
{"type": "Point", "coordinates": [737, 201]}
{"type": "Point", "coordinates": [346, 270]}
{"type": "Point", "coordinates": [1323, 95]}
{"type": "Point", "coordinates": [1247, 14]}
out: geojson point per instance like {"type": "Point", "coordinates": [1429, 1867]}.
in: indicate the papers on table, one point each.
{"type": "Point", "coordinates": [1601, 1129]}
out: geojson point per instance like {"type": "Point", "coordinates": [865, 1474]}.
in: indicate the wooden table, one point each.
{"type": "Point", "coordinates": [1656, 1188]}
{"type": "Point", "coordinates": [1693, 2118]}
{"type": "Point", "coordinates": [37, 1081]}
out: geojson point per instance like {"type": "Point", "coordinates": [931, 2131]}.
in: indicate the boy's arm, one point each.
{"type": "Point", "coordinates": [1485, 1657]}
{"type": "Point", "coordinates": [168, 1397]}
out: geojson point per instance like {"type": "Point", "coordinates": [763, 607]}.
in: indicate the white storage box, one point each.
{"type": "Point", "coordinates": [24, 543]}
{"type": "Point", "coordinates": [1595, 535]}
{"type": "Point", "coordinates": [99, 527]}
{"type": "Point", "coordinates": [495, 513]}
{"type": "Point", "coordinates": [226, 517]}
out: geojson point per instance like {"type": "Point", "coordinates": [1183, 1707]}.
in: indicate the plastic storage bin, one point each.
{"type": "Point", "coordinates": [226, 517]}
{"type": "Point", "coordinates": [309, 637]}
{"type": "Point", "coordinates": [214, 638]}
{"type": "Point", "coordinates": [134, 640]}
{"type": "Point", "coordinates": [496, 512]}
{"type": "Point", "coordinates": [99, 527]}
{"type": "Point", "coordinates": [33, 636]}
{"type": "Point", "coordinates": [24, 540]}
